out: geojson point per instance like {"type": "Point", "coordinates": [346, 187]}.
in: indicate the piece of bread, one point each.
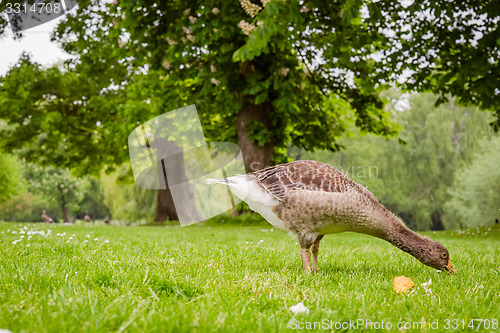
{"type": "Point", "coordinates": [402, 284]}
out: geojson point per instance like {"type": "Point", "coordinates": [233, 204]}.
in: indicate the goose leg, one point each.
{"type": "Point", "coordinates": [315, 250]}
{"type": "Point", "coordinates": [305, 241]}
{"type": "Point", "coordinates": [306, 259]}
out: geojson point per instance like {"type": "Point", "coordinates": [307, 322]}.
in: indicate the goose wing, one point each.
{"type": "Point", "coordinates": [283, 179]}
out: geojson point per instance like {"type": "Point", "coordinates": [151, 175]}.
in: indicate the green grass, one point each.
{"type": "Point", "coordinates": [230, 278]}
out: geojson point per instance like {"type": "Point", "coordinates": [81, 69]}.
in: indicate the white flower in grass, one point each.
{"type": "Point", "coordinates": [96, 239]}
{"type": "Point", "coordinates": [85, 241]}
{"type": "Point", "coordinates": [106, 241]}
{"type": "Point", "coordinates": [70, 238]}
{"type": "Point", "coordinates": [299, 308]}
{"type": "Point", "coordinates": [88, 236]}
{"type": "Point", "coordinates": [427, 285]}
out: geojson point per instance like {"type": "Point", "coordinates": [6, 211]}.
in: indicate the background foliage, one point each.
{"type": "Point", "coordinates": [280, 78]}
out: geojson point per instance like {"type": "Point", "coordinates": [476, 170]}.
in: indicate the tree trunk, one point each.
{"type": "Point", "coordinates": [165, 208]}
{"type": "Point", "coordinates": [65, 212]}
{"type": "Point", "coordinates": [255, 157]}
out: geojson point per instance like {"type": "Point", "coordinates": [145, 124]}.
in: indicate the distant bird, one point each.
{"type": "Point", "coordinates": [46, 218]}
{"type": "Point", "coordinates": [87, 218]}
{"type": "Point", "coordinates": [496, 221]}
{"type": "Point", "coordinates": [311, 199]}
{"type": "Point", "coordinates": [106, 219]}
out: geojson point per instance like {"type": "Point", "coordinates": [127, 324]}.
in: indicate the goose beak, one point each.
{"type": "Point", "coordinates": [449, 268]}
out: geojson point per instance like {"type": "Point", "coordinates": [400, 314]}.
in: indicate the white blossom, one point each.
{"type": "Point", "coordinates": [299, 308]}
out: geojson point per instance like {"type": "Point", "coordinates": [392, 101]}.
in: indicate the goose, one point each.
{"type": "Point", "coordinates": [311, 199]}
{"type": "Point", "coordinates": [46, 218]}
{"type": "Point", "coordinates": [87, 218]}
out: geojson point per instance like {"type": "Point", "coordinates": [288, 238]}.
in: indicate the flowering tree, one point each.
{"type": "Point", "coordinates": [58, 185]}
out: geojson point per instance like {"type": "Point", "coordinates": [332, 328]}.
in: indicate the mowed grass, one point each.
{"type": "Point", "coordinates": [231, 279]}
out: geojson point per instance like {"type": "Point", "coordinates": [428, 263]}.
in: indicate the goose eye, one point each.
{"type": "Point", "coordinates": [444, 255]}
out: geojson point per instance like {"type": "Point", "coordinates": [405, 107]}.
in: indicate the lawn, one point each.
{"type": "Point", "coordinates": [234, 278]}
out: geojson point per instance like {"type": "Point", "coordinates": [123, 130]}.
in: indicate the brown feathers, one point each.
{"type": "Point", "coordinates": [307, 175]}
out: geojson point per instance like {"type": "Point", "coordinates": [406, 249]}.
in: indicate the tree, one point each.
{"type": "Point", "coordinates": [126, 201]}
{"type": "Point", "coordinates": [11, 182]}
{"type": "Point", "coordinates": [475, 199]}
{"type": "Point", "coordinates": [58, 185]}
{"type": "Point", "coordinates": [439, 141]}
{"type": "Point", "coordinates": [93, 200]}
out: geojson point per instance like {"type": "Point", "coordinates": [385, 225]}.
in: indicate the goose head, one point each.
{"type": "Point", "coordinates": [435, 255]}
